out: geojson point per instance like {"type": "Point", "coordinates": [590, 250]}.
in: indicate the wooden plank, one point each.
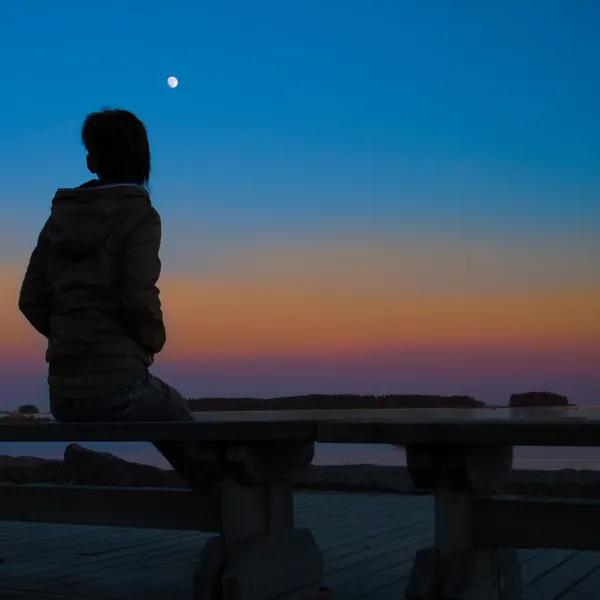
{"type": "Point", "coordinates": [564, 576]}
{"type": "Point", "coordinates": [174, 576]}
{"type": "Point", "coordinates": [562, 427]}
{"type": "Point", "coordinates": [527, 554]}
{"type": "Point", "coordinates": [371, 586]}
{"type": "Point", "coordinates": [337, 548]}
{"type": "Point", "coordinates": [537, 523]}
{"type": "Point", "coordinates": [544, 563]}
{"type": "Point", "coordinates": [53, 566]}
{"type": "Point", "coordinates": [8, 528]}
{"type": "Point", "coordinates": [206, 431]}
{"type": "Point", "coordinates": [389, 584]}
{"type": "Point", "coordinates": [38, 537]}
{"type": "Point", "coordinates": [396, 551]}
{"type": "Point", "coordinates": [475, 433]}
{"type": "Point", "coordinates": [392, 590]}
{"type": "Point", "coordinates": [586, 588]}
{"type": "Point", "coordinates": [346, 526]}
{"type": "Point", "coordinates": [366, 580]}
{"type": "Point", "coordinates": [358, 527]}
{"type": "Point", "coordinates": [124, 507]}
{"type": "Point", "coordinates": [92, 582]}
{"type": "Point", "coordinates": [168, 581]}
{"type": "Point", "coordinates": [93, 577]}
{"type": "Point", "coordinates": [68, 541]}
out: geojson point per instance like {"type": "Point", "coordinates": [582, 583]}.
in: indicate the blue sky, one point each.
{"type": "Point", "coordinates": [443, 130]}
{"type": "Point", "coordinates": [295, 110]}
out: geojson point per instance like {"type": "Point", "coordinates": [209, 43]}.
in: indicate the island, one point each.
{"type": "Point", "coordinates": [542, 399]}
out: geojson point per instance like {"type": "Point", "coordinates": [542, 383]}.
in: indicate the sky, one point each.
{"type": "Point", "coordinates": [357, 197]}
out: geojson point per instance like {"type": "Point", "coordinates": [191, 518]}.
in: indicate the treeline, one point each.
{"type": "Point", "coordinates": [335, 401]}
{"type": "Point", "coordinates": [354, 401]}
{"type": "Point", "coordinates": [358, 401]}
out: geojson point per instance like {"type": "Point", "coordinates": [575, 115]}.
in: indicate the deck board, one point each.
{"type": "Point", "coordinates": [566, 576]}
{"type": "Point", "coordinates": [368, 543]}
{"type": "Point", "coordinates": [587, 588]}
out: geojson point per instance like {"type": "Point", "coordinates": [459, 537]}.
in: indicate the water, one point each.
{"type": "Point", "coordinates": [547, 458]}
{"type": "Point", "coordinates": [526, 457]}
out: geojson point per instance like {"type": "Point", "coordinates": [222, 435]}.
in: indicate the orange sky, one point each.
{"type": "Point", "coordinates": [346, 298]}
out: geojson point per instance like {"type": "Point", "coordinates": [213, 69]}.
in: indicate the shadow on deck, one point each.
{"type": "Point", "coordinates": [368, 542]}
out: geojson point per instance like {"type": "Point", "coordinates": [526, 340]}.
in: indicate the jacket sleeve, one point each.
{"type": "Point", "coordinates": [35, 301]}
{"type": "Point", "coordinates": [139, 296]}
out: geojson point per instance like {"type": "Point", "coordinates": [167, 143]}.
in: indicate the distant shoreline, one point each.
{"type": "Point", "coordinates": [564, 483]}
{"type": "Point", "coordinates": [82, 466]}
{"type": "Point", "coordinates": [531, 399]}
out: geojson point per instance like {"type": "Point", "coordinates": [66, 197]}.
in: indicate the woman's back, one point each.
{"type": "Point", "coordinates": [96, 310]}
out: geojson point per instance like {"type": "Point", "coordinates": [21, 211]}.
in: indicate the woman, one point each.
{"type": "Point", "coordinates": [90, 288]}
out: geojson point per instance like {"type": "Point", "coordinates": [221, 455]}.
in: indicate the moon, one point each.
{"type": "Point", "coordinates": [172, 82]}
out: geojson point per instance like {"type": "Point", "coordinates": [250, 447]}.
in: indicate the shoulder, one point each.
{"type": "Point", "coordinates": [142, 215]}
{"type": "Point", "coordinates": [44, 235]}
{"type": "Point", "coordinates": [142, 225]}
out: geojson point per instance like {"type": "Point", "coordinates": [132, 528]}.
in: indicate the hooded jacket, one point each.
{"type": "Point", "coordinates": [90, 286]}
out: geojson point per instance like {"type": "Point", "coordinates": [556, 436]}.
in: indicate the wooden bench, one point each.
{"type": "Point", "coordinates": [258, 554]}
{"type": "Point", "coordinates": [461, 455]}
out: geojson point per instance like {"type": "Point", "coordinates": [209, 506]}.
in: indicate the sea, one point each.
{"type": "Point", "coordinates": [530, 457]}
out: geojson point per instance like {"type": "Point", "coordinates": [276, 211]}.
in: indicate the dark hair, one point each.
{"type": "Point", "coordinates": [118, 143]}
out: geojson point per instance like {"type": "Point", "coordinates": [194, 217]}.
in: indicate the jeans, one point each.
{"type": "Point", "coordinates": [147, 399]}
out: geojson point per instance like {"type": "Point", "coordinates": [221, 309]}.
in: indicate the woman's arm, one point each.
{"type": "Point", "coordinates": [35, 301]}
{"type": "Point", "coordinates": [139, 296]}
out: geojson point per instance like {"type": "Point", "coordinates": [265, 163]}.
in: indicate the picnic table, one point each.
{"type": "Point", "coordinates": [460, 455]}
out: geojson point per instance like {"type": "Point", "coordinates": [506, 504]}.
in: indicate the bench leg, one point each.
{"type": "Point", "coordinates": [455, 568]}
{"type": "Point", "coordinates": [259, 555]}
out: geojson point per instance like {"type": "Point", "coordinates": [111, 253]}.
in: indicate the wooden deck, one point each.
{"type": "Point", "coordinates": [368, 542]}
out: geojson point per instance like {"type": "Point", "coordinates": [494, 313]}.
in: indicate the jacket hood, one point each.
{"type": "Point", "coordinates": [84, 217]}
